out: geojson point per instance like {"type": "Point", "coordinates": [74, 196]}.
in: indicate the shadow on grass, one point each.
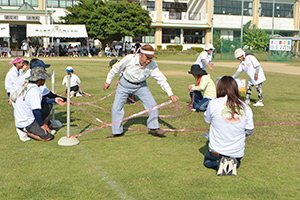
{"type": "Point", "coordinates": [62, 116]}
{"type": "Point", "coordinates": [143, 120]}
{"type": "Point", "coordinates": [204, 149]}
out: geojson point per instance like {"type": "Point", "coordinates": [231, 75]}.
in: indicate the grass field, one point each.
{"type": "Point", "coordinates": [141, 166]}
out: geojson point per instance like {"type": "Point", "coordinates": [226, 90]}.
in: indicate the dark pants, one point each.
{"type": "Point", "coordinates": [200, 103]}
{"type": "Point", "coordinates": [211, 160]}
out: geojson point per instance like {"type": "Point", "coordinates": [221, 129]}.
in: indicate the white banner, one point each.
{"type": "Point", "coordinates": [57, 31]}
{"type": "Point", "coordinates": [4, 31]}
{"type": "Point", "coordinates": [280, 45]}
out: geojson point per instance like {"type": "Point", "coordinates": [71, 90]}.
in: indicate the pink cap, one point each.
{"type": "Point", "coordinates": [16, 60]}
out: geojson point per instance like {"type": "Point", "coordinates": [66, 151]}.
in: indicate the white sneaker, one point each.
{"type": "Point", "coordinates": [22, 135]}
{"type": "Point", "coordinates": [232, 165]}
{"type": "Point", "coordinates": [78, 94]}
{"type": "Point", "coordinates": [222, 170]}
{"type": "Point", "coordinates": [259, 104]}
{"type": "Point", "coordinates": [72, 94]}
{"type": "Point", "coordinates": [53, 132]}
{"type": "Point", "coordinates": [247, 101]}
{"type": "Point", "coordinates": [194, 109]}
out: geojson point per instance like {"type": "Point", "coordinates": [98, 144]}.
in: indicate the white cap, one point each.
{"type": "Point", "coordinates": [208, 47]}
{"type": "Point", "coordinates": [238, 53]}
{"type": "Point", "coordinates": [69, 69]}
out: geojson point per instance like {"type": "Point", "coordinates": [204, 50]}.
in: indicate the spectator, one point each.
{"type": "Point", "coordinates": [107, 51]}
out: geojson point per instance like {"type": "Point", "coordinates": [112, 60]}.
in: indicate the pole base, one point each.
{"type": "Point", "coordinates": [56, 124]}
{"type": "Point", "coordinates": [90, 55]}
{"type": "Point", "coordinates": [65, 141]}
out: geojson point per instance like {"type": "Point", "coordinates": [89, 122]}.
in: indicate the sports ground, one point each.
{"type": "Point", "coordinates": [141, 166]}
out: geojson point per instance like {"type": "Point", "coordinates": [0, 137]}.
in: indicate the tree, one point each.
{"type": "Point", "coordinates": [109, 21]}
{"type": "Point", "coordinates": [255, 38]}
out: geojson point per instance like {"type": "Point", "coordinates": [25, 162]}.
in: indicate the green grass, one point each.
{"type": "Point", "coordinates": [141, 166]}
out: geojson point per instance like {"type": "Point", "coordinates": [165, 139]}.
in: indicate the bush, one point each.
{"type": "Point", "coordinates": [158, 48]}
{"type": "Point", "coordinates": [197, 49]}
{"type": "Point", "coordinates": [174, 47]}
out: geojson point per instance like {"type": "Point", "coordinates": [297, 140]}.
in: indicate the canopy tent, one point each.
{"type": "Point", "coordinates": [4, 33]}
{"type": "Point", "coordinates": [57, 31]}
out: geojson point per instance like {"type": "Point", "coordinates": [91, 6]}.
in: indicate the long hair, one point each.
{"type": "Point", "coordinates": [228, 86]}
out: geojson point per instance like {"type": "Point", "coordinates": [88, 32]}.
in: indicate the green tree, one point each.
{"type": "Point", "coordinates": [217, 41]}
{"type": "Point", "coordinates": [109, 21]}
{"type": "Point", "coordinates": [255, 38]}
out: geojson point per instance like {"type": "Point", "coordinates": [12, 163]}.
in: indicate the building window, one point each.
{"type": "Point", "coordinates": [60, 3]}
{"type": "Point", "coordinates": [193, 36]}
{"type": "Point", "coordinates": [174, 9]}
{"type": "Point", "coordinates": [15, 2]}
{"type": "Point", "coordinates": [149, 38]}
{"type": "Point", "coordinates": [229, 7]}
{"type": "Point", "coordinates": [171, 36]}
{"type": "Point", "coordinates": [4, 2]}
{"type": "Point", "coordinates": [150, 5]}
{"type": "Point", "coordinates": [33, 3]}
{"type": "Point", "coordinates": [281, 10]}
{"type": "Point", "coordinates": [237, 34]}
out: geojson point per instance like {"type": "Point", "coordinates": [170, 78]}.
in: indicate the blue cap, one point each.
{"type": "Point", "coordinates": [39, 63]}
{"type": "Point", "coordinates": [69, 69]}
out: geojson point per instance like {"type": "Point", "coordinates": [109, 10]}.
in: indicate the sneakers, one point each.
{"type": "Point", "coordinates": [72, 93]}
{"type": "Point", "coordinates": [193, 110]}
{"type": "Point", "coordinates": [157, 132]}
{"type": "Point", "coordinates": [259, 104]}
{"type": "Point", "coordinates": [22, 135]}
{"type": "Point", "coordinates": [53, 132]}
{"type": "Point", "coordinates": [247, 101]}
{"type": "Point", "coordinates": [222, 169]}
{"type": "Point", "coordinates": [227, 167]}
{"type": "Point", "coordinates": [78, 94]}
{"type": "Point", "coordinates": [232, 165]}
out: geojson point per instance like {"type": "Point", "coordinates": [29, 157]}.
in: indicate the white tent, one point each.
{"type": "Point", "coordinates": [58, 31]}
{"type": "Point", "coordinates": [4, 33]}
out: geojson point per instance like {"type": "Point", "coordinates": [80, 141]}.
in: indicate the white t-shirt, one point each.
{"type": "Point", "coordinates": [20, 80]}
{"type": "Point", "coordinates": [73, 81]}
{"type": "Point", "coordinates": [10, 79]}
{"type": "Point", "coordinates": [44, 90]}
{"type": "Point", "coordinates": [249, 66]}
{"type": "Point", "coordinates": [29, 100]}
{"type": "Point", "coordinates": [203, 55]}
{"type": "Point", "coordinates": [227, 133]}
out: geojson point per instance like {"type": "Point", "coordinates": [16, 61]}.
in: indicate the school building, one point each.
{"type": "Point", "coordinates": [186, 22]}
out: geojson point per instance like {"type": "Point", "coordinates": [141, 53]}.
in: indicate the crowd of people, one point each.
{"type": "Point", "coordinates": [230, 118]}
{"type": "Point", "coordinates": [121, 49]}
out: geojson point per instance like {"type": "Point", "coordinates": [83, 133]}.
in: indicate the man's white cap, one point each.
{"type": "Point", "coordinates": [238, 53]}
{"type": "Point", "coordinates": [208, 47]}
{"type": "Point", "coordinates": [69, 69]}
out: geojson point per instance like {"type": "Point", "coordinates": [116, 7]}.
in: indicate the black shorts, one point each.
{"type": "Point", "coordinates": [74, 88]}
{"type": "Point", "coordinates": [35, 129]}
